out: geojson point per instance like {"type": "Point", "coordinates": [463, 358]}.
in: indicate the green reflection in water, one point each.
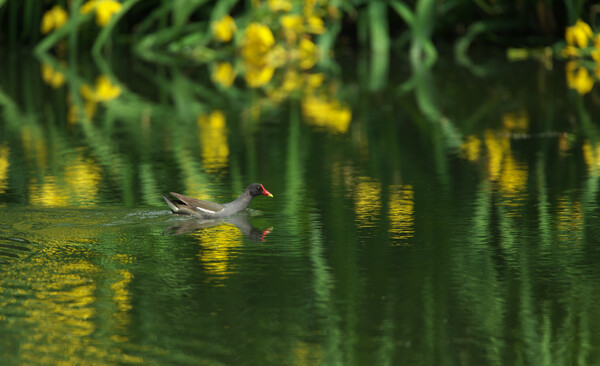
{"type": "Point", "coordinates": [442, 224]}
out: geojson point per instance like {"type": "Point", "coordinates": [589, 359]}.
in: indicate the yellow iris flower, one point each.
{"type": "Point", "coordinates": [258, 41]}
{"type": "Point", "coordinates": [578, 34]}
{"type": "Point", "coordinates": [224, 28]}
{"type": "Point", "coordinates": [54, 18]}
{"type": "Point", "coordinates": [104, 9]}
{"type": "Point", "coordinates": [224, 74]}
{"type": "Point", "coordinates": [279, 5]}
{"type": "Point", "coordinates": [308, 53]}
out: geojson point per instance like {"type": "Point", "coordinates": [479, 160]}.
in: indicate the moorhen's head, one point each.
{"type": "Point", "coordinates": [257, 189]}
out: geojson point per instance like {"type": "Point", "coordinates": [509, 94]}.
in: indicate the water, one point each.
{"type": "Point", "coordinates": [452, 221]}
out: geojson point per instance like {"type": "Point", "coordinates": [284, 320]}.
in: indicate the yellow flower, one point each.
{"type": "Point", "coordinates": [578, 78]}
{"type": "Point", "coordinates": [292, 26]}
{"type": "Point", "coordinates": [315, 25]}
{"type": "Point", "coordinates": [596, 51]}
{"type": "Point", "coordinates": [259, 76]}
{"type": "Point", "coordinates": [570, 51]}
{"type": "Point", "coordinates": [258, 40]}
{"type": "Point", "coordinates": [279, 5]}
{"type": "Point", "coordinates": [54, 18]}
{"type": "Point", "coordinates": [105, 9]}
{"type": "Point", "coordinates": [313, 81]}
{"type": "Point", "coordinates": [224, 74]}
{"type": "Point", "coordinates": [291, 81]}
{"type": "Point", "coordinates": [578, 34]}
{"type": "Point", "coordinates": [308, 53]}
{"type": "Point", "coordinates": [224, 29]}
{"type": "Point", "coordinates": [309, 7]}
{"type": "Point", "coordinates": [258, 54]}
{"type": "Point", "coordinates": [52, 77]}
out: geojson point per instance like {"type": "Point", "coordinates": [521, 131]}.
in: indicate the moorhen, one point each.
{"type": "Point", "coordinates": [184, 205]}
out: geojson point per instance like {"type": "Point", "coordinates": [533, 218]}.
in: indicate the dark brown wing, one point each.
{"type": "Point", "coordinates": [199, 205]}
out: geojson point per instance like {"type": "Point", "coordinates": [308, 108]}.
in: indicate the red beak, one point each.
{"type": "Point", "coordinates": [265, 192]}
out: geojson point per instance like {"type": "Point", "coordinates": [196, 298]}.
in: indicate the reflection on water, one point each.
{"type": "Point", "coordinates": [213, 139]}
{"type": "Point", "coordinates": [401, 213]}
{"type": "Point", "coordinates": [367, 201]}
{"type": "Point", "coordinates": [409, 229]}
{"type": "Point", "coordinates": [240, 221]}
{"type": "Point", "coordinates": [4, 165]}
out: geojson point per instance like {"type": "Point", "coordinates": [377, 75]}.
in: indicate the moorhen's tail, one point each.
{"type": "Point", "coordinates": [172, 205]}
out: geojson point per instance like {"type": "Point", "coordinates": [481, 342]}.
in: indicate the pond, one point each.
{"type": "Point", "coordinates": [444, 216]}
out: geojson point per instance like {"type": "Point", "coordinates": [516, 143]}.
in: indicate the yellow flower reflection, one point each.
{"type": "Point", "coordinates": [591, 156]}
{"type": "Point", "coordinates": [75, 185]}
{"type": "Point", "coordinates": [104, 90]}
{"type": "Point", "coordinates": [516, 121]}
{"type": "Point", "coordinates": [47, 193]}
{"type": "Point", "coordinates": [578, 34]}
{"type": "Point", "coordinates": [471, 148]}
{"type": "Point", "coordinates": [514, 176]}
{"type": "Point", "coordinates": [569, 221]}
{"type": "Point", "coordinates": [54, 18]}
{"type": "Point", "coordinates": [502, 167]}
{"type": "Point", "coordinates": [52, 77]}
{"type": "Point", "coordinates": [224, 28]}
{"type": "Point", "coordinates": [224, 74]}
{"type": "Point", "coordinates": [218, 244]}
{"type": "Point", "coordinates": [82, 177]}
{"type": "Point", "coordinates": [321, 111]}
{"type": "Point", "coordinates": [122, 295]}
{"type": "Point", "coordinates": [578, 78]}
{"type": "Point", "coordinates": [104, 9]}
{"type": "Point", "coordinates": [34, 146]}
{"type": "Point", "coordinates": [367, 201]}
{"type": "Point", "coordinates": [213, 139]}
{"type": "Point", "coordinates": [62, 298]}
{"type": "Point", "coordinates": [4, 165]}
{"type": "Point", "coordinates": [401, 212]}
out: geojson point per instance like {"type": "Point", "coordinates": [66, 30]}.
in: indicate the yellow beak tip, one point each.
{"type": "Point", "coordinates": [270, 195]}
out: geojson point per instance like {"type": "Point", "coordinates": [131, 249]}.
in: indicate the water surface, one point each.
{"type": "Point", "coordinates": [452, 220]}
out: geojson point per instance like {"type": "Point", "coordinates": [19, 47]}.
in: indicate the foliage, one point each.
{"type": "Point", "coordinates": [187, 27]}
